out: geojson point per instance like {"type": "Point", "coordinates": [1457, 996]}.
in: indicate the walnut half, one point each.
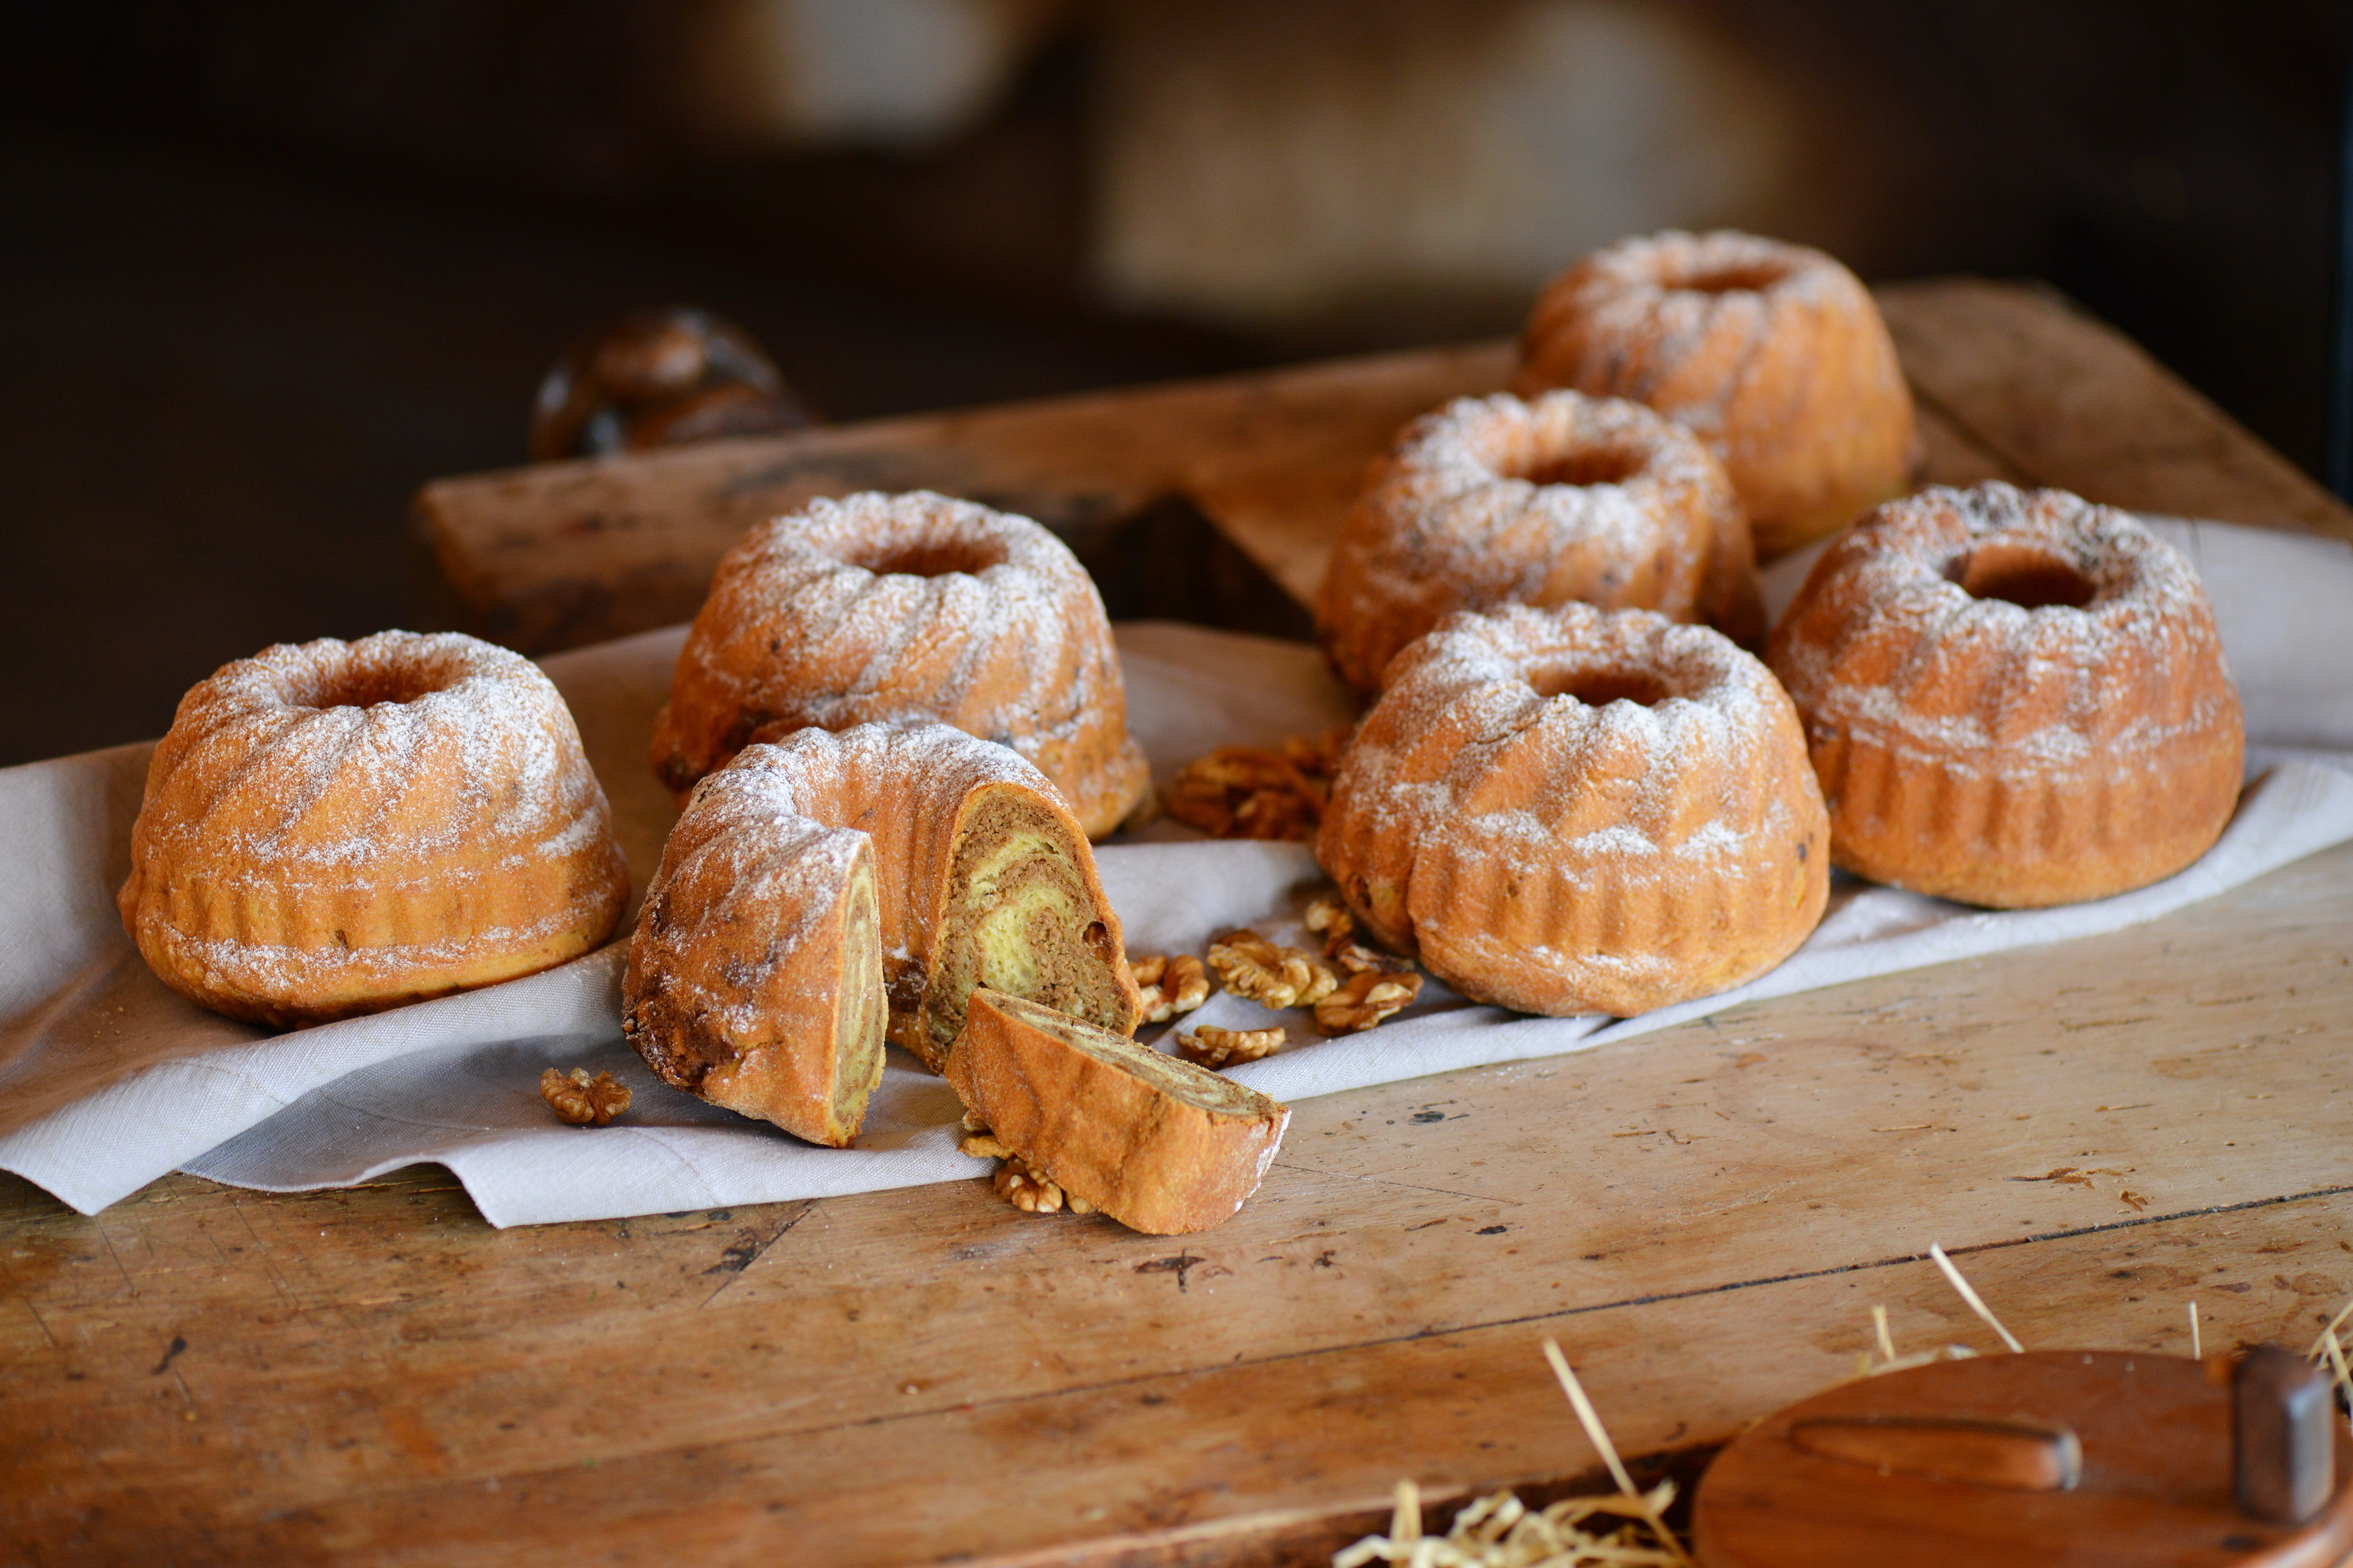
{"type": "Point", "coordinates": [1253, 791]}
{"type": "Point", "coordinates": [1170, 986]}
{"type": "Point", "coordinates": [1254, 968]}
{"type": "Point", "coordinates": [1213, 1048]}
{"type": "Point", "coordinates": [1337, 924]}
{"type": "Point", "coordinates": [583, 1100]}
{"type": "Point", "coordinates": [1367, 999]}
{"type": "Point", "coordinates": [1330, 918]}
{"type": "Point", "coordinates": [983, 1146]}
{"type": "Point", "coordinates": [1034, 1191]}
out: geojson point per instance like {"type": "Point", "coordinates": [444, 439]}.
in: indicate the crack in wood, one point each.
{"type": "Point", "coordinates": [1725, 1289]}
{"type": "Point", "coordinates": [1391, 1181]}
{"type": "Point", "coordinates": [1182, 1265]}
{"type": "Point", "coordinates": [747, 1249]}
{"type": "Point", "coordinates": [1439, 1331]}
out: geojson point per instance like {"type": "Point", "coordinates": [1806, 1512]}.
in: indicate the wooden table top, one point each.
{"type": "Point", "coordinates": [2099, 1133]}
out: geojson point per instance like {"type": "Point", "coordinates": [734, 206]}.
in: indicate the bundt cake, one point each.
{"type": "Point", "coordinates": [2013, 699]}
{"type": "Point", "coordinates": [1495, 501]}
{"type": "Point", "coordinates": [880, 608]}
{"type": "Point", "coordinates": [829, 891]}
{"type": "Point", "coordinates": [1573, 810]}
{"type": "Point", "coordinates": [333, 828]}
{"type": "Point", "coordinates": [1773, 354]}
{"type": "Point", "coordinates": [1160, 1145]}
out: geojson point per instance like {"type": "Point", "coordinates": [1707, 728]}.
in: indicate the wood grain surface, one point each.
{"type": "Point", "coordinates": [2099, 1133]}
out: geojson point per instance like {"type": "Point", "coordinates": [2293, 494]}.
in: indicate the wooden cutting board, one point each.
{"type": "Point", "coordinates": [2100, 1133]}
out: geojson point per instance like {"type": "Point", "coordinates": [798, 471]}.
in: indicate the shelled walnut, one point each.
{"type": "Point", "coordinates": [1213, 1048]}
{"type": "Point", "coordinates": [1031, 1191]}
{"type": "Point", "coordinates": [983, 1146]}
{"type": "Point", "coordinates": [1169, 985]}
{"type": "Point", "coordinates": [1256, 792]}
{"type": "Point", "coordinates": [581, 1101]}
{"type": "Point", "coordinates": [1251, 967]}
{"type": "Point", "coordinates": [1337, 924]}
{"type": "Point", "coordinates": [1330, 918]}
{"type": "Point", "coordinates": [1034, 1191]}
{"type": "Point", "coordinates": [1367, 999]}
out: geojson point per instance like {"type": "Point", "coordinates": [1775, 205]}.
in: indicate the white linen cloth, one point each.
{"type": "Point", "coordinates": [108, 1079]}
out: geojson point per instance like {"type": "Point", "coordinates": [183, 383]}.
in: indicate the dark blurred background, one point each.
{"type": "Point", "coordinates": [271, 265]}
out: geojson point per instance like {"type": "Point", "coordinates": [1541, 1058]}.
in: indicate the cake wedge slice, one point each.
{"type": "Point", "coordinates": [1155, 1143]}
{"type": "Point", "coordinates": [830, 891]}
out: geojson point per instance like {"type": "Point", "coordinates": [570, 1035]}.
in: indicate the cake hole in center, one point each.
{"type": "Point", "coordinates": [365, 688]}
{"type": "Point", "coordinates": [1600, 688]}
{"type": "Point", "coordinates": [932, 559]}
{"type": "Point", "coordinates": [1589, 466]}
{"type": "Point", "coordinates": [1754, 276]}
{"type": "Point", "coordinates": [2017, 575]}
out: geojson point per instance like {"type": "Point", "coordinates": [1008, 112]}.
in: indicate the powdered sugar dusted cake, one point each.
{"type": "Point", "coordinates": [332, 829]}
{"type": "Point", "coordinates": [1569, 810]}
{"type": "Point", "coordinates": [1495, 501]}
{"type": "Point", "coordinates": [829, 890]}
{"type": "Point", "coordinates": [1773, 354]}
{"type": "Point", "coordinates": [878, 608]}
{"type": "Point", "coordinates": [2013, 699]}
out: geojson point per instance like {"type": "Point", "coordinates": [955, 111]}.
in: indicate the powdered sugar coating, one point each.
{"type": "Point", "coordinates": [744, 905]}
{"type": "Point", "coordinates": [1495, 501]}
{"type": "Point", "coordinates": [750, 857]}
{"type": "Point", "coordinates": [900, 784]}
{"type": "Point", "coordinates": [915, 607]}
{"type": "Point", "coordinates": [755, 977]}
{"type": "Point", "coordinates": [1774, 354]}
{"type": "Point", "coordinates": [2008, 753]}
{"type": "Point", "coordinates": [1662, 840]}
{"type": "Point", "coordinates": [332, 827]}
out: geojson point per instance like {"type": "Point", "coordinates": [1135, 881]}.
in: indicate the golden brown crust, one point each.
{"type": "Point", "coordinates": [2013, 699]}
{"type": "Point", "coordinates": [1492, 501]}
{"type": "Point", "coordinates": [333, 828]}
{"type": "Point", "coordinates": [883, 608]}
{"type": "Point", "coordinates": [809, 907]}
{"type": "Point", "coordinates": [1773, 354]}
{"type": "Point", "coordinates": [1570, 811]}
{"type": "Point", "coordinates": [754, 978]}
{"type": "Point", "coordinates": [1160, 1145]}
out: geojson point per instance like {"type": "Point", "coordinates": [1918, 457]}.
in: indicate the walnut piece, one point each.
{"type": "Point", "coordinates": [1367, 999]}
{"type": "Point", "coordinates": [1213, 1048]}
{"type": "Point", "coordinates": [1170, 986]}
{"type": "Point", "coordinates": [583, 1100]}
{"type": "Point", "coordinates": [983, 1146]}
{"type": "Point", "coordinates": [1318, 754]}
{"type": "Point", "coordinates": [1355, 958]}
{"type": "Point", "coordinates": [1252, 792]}
{"type": "Point", "coordinates": [1337, 924]}
{"type": "Point", "coordinates": [1033, 1191]}
{"type": "Point", "coordinates": [978, 1141]}
{"type": "Point", "coordinates": [1256, 969]}
{"type": "Point", "coordinates": [1330, 918]}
